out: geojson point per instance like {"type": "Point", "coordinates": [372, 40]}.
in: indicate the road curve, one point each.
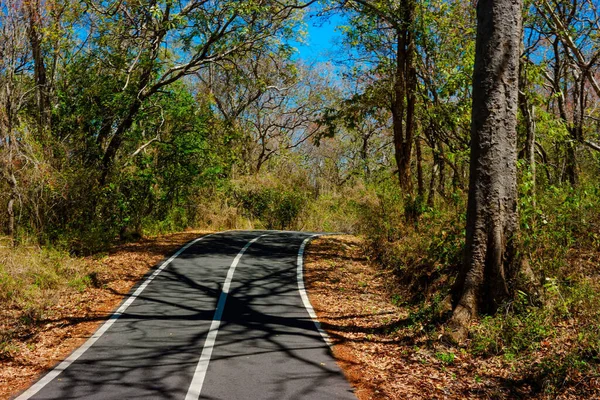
{"type": "Point", "coordinates": [221, 319]}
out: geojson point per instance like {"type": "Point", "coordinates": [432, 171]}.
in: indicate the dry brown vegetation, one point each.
{"type": "Point", "coordinates": [388, 353]}
{"type": "Point", "coordinates": [62, 300]}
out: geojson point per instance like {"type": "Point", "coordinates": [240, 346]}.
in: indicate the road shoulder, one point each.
{"type": "Point", "coordinates": [381, 357]}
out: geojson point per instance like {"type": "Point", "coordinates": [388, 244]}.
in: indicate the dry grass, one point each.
{"type": "Point", "coordinates": [32, 279]}
{"type": "Point", "coordinates": [51, 302]}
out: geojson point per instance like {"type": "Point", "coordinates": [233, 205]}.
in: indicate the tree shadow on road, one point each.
{"type": "Point", "coordinates": [152, 349]}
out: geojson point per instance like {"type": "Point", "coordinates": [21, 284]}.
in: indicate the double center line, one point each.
{"type": "Point", "coordinates": [200, 373]}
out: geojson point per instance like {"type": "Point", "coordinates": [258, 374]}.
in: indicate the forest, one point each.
{"type": "Point", "coordinates": [127, 119]}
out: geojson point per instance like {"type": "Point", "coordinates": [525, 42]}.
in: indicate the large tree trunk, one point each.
{"type": "Point", "coordinates": [411, 79]}
{"type": "Point", "coordinates": [488, 267]}
{"type": "Point", "coordinates": [571, 162]}
{"type": "Point", "coordinates": [400, 155]}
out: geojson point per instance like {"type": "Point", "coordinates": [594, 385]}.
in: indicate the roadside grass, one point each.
{"type": "Point", "coordinates": [32, 279]}
{"type": "Point", "coordinates": [50, 301]}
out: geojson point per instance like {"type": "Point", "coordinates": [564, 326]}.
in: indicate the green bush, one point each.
{"type": "Point", "coordinates": [423, 250]}
{"type": "Point", "coordinates": [274, 207]}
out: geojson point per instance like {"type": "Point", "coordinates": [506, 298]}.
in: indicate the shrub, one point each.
{"type": "Point", "coordinates": [274, 207]}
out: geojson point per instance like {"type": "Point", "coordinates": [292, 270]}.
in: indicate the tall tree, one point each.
{"type": "Point", "coordinates": [385, 31]}
{"type": "Point", "coordinates": [33, 10]}
{"type": "Point", "coordinates": [274, 104]}
{"type": "Point", "coordinates": [488, 267]}
{"type": "Point", "coordinates": [142, 50]}
{"type": "Point", "coordinates": [572, 27]}
{"type": "Point", "coordinates": [13, 61]}
{"type": "Point", "coordinates": [446, 44]}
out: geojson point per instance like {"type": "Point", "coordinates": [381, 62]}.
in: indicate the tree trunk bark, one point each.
{"type": "Point", "coordinates": [12, 184]}
{"type": "Point", "coordinates": [39, 68]}
{"type": "Point", "coordinates": [571, 162]}
{"type": "Point", "coordinates": [10, 209]}
{"type": "Point", "coordinates": [484, 282]}
{"type": "Point", "coordinates": [404, 90]}
{"type": "Point", "coordinates": [398, 118]}
{"type": "Point", "coordinates": [11, 219]}
{"type": "Point", "coordinates": [411, 82]}
{"type": "Point", "coordinates": [576, 129]}
{"type": "Point", "coordinates": [420, 184]}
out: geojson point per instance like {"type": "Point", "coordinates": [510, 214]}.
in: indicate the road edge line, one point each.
{"type": "Point", "coordinates": [195, 387]}
{"type": "Point", "coordinates": [57, 370]}
{"type": "Point", "coordinates": [304, 294]}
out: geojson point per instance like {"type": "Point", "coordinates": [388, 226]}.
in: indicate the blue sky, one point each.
{"type": "Point", "coordinates": [321, 40]}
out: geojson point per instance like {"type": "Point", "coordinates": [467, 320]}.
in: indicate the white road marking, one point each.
{"type": "Point", "coordinates": [200, 373]}
{"type": "Point", "coordinates": [302, 290]}
{"type": "Point", "coordinates": [113, 318]}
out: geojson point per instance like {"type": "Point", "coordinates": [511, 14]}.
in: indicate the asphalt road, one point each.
{"type": "Point", "coordinates": [222, 319]}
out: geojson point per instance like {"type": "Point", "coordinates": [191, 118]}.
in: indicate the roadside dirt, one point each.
{"type": "Point", "coordinates": [76, 315]}
{"type": "Point", "coordinates": [376, 342]}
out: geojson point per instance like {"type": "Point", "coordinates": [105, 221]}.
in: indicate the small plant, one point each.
{"type": "Point", "coordinates": [80, 283]}
{"type": "Point", "coordinates": [397, 300]}
{"type": "Point", "coordinates": [8, 349]}
{"type": "Point", "coordinates": [446, 358]}
{"type": "Point", "coordinates": [511, 333]}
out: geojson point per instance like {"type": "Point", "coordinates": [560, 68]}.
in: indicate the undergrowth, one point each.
{"type": "Point", "coordinates": [31, 281]}
{"type": "Point", "coordinates": [550, 341]}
